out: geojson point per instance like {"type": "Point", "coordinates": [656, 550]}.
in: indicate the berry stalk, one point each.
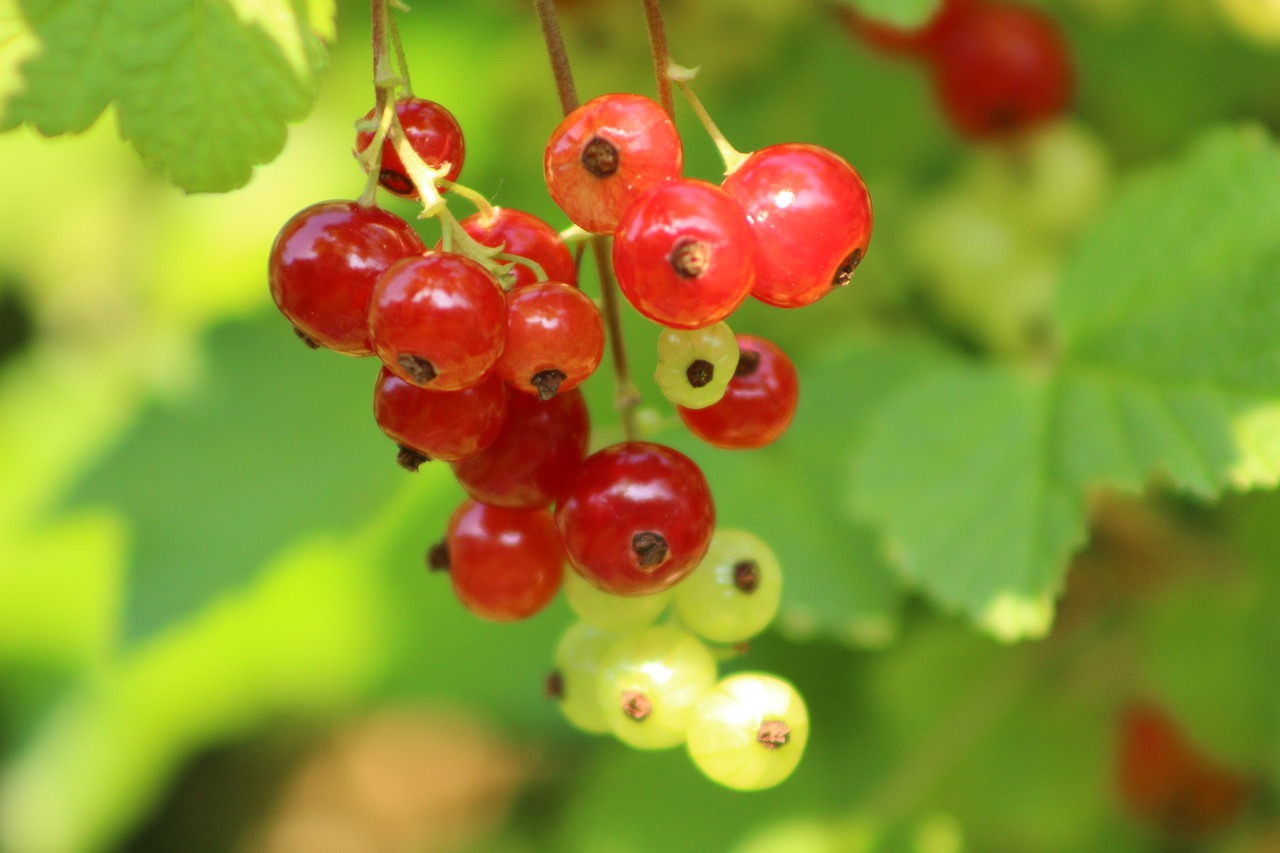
{"type": "Point", "coordinates": [661, 55]}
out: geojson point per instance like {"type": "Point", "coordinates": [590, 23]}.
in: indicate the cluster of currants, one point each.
{"type": "Point", "coordinates": [997, 68]}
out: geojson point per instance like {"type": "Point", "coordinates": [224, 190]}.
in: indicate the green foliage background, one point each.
{"type": "Point", "coordinates": [206, 549]}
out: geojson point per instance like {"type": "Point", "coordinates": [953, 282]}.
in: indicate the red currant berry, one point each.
{"type": "Point", "coordinates": [535, 457]}
{"type": "Point", "coordinates": [684, 254]}
{"type": "Point", "coordinates": [433, 134]}
{"type": "Point", "coordinates": [448, 425]}
{"type": "Point", "coordinates": [1000, 69]}
{"type": "Point", "coordinates": [758, 405]}
{"type": "Point", "coordinates": [555, 339]}
{"type": "Point", "coordinates": [438, 321]}
{"type": "Point", "coordinates": [812, 217]}
{"type": "Point", "coordinates": [324, 264]}
{"type": "Point", "coordinates": [504, 564]}
{"type": "Point", "coordinates": [605, 154]}
{"type": "Point", "coordinates": [637, 519]}
{"type": "Point", "coordinates": [526, 236]}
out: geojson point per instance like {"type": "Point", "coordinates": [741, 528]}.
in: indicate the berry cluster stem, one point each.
{"type": "Point", "coordinates": [661, 55]}
{"type": "Point", "coordinates": [683, 77]}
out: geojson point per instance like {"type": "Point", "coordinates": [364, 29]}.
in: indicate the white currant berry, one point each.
{"type": "Point", "coordinates": [734, 592]}
{"type": "Point", "coordinates": [695, 366]}
{"type": "Point", "coordinates": [749, 731]}
{"type": "Point", "coordinates": [573, 682]}
{"type": "Point", "coordinates": [650, 681]}
{"type": "Point", "coordinates": [609, 612]}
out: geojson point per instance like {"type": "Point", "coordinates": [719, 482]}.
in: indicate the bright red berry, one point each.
{"type": "Point", "coordinates": [504, 564]}
{"type": "Point", "coordinates": [555, 339]}
{"type": "Point", "coordinates": [812, 218]}
{"type": "Point", "coordinates": [1000, 69]}
{"type": "Point", "coordinates": [324, 264]}
{"type": "Point", "coordinates": [448, 425]}
{"type": "Point", "coordinates": [535, 457]}
{"type": "Point", "coordinates": [758, 405]}
{"type": "Point", "coordinates": [525, 235]}
{"type": "Point", "coordinates": [605, 154]}
{"type": "Point", "coordinates": [637, 519]}
{"type": "Point", "coordinates": [685, 254]}
{"type": "Point", "coordinates": [433, 134]}
{"type": "Point", "coordinates": [438, 320]}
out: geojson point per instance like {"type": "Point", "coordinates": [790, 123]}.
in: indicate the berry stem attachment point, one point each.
{"type": "Point", "coordinates": [661, 56]}
{"type": "Point", "coordinates": [483, 206]}
{"type": "Point", "coordinates": [682, 77]}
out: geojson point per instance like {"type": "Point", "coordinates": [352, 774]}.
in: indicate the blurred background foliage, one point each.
{"type": "Point", "coordinates": [216, 632]}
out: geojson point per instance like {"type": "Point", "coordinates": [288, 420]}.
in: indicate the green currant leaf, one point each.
{"type": "Point", "coordinates": [201, 89]}
{"type": "Point", "coordinates": [899, 13]}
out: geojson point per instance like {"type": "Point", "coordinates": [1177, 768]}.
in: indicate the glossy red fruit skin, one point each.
{"type": "Point", "coordinates": [1001, 69]}
{"type": "Point", "coordinates": [324, 264]}
{"type": "Point", "coordinates": [550, 326]}
{"type": "Point", "coordinates": [916, 43]}
{"type": "Point", "coordinates": [628, 489]}
{"type": "Point", "coordinates": [504, 564]}
{"type": "Point", "coordinates": [648, 152]}
{"type": "Point", "coordinates": [527, 236]}
{"type": "Point", "coordinates": [696, 224]}
{"type": "Point", "coordinates": [756, 408]}
{"type": "Point", "coordinates": [534, 459]}
{"type": "Point", "coordinates": [443, 308]}
{"type": "Point", "coordinates": [812, 217]}
{"type": "Point", "coordinates": [446, 425]}
{"type": "Point", "coordinates": [433, 133]}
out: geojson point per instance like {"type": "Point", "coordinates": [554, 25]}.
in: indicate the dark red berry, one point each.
{"type": "Point", "coordinates": [438, 321]}
{"type": "Point", "coordinates": [1000, 69]}
{"type": "Point", "coordinates": [758, 405]}
{"type": "Point", "coordinates": [504, 564]}
{"type": "Point", "coordinates": [527, 236]}
{"type": "Point", "coordinates": [685, 254]}
{"type": "Point", "coordinates": [324, 264]}
{"type": "Point", "coordinates": [535, 457]}
{"type": "Point", "coordinates": [605, 154]}
{"type": "Point", "coordinates": [555, 339]}
{"type": "Point", "coordinates": [434, 135]}
{"type": "Point", "coordinates": [447, 425]}
{"type": "Point", "coordinates": [812, 218]}
{"type": "Point", "coordinates": [637, 519]}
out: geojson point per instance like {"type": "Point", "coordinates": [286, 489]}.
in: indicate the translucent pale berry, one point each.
{"type": "Point", "coordinates": [758, 405]}
{"type": "Point", "coordinates": [573, 683]}
{"type": "Point", "coordinates": [504, 564]}
{"type": "Point", "coordinates": [1000, 69]}
{"type": "Point", "coordinates": [536, 455]}
{"type": "Point", "coordinates": [734, 592]}
{"type": "Point", "coordinates": [650, 681]}
{"type": "Point", "coordinates": [438, 321]}
{"type": "Point", "coordinates": [749, 731]}
{"type": "Point", "coordinates": [434, 135]}
{"type": "Point", "coordinates": [684, 254]}
{"type": "Point", "coordinates": [694, 367]}
{"type": "Point", "coordinates": [637, 519]}
{"type": "Point", "coordinates": [555, 339]}
{"type": "Point", "coordinates": [610, 612]}
{"type": "Point", "coordinates": [324, 264]}
{"type": "Point", "coordinates": [448, 425]}
{"type": "Point", "coordinates": [812, 219]}
{"type": "Point", "coordinates": [605, 154]}
{"type": "Point", "coordinates": [525, 235]}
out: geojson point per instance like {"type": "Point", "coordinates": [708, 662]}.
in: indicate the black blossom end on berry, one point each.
{"type": "Point", "coordinates": [748, 363]}
{"type": "Point", "coordinates": [305, 338]}
{"type": "Point", "coordinates": [689, 257]}
{"type": "Point", "coordinates": [409, 459]}
{"type": "Point", "coordinates": [845, 271]}
{"type": "Point", "coordinates": [419, 369]}
{"type": "Point", "coordinates": [548, 383]}
{"type": "Point", "coordinates": [554, 685]}
{"type": "Point", "coordinates": [600, 157]}
{"type": "Point", "coordinates": [650, 549]}
{"type": "Point", "coordinates": [700, 372]}
{"type": "Point", "coordinates": [636, 705]}
{"type": "Point", "coordinates": [773, 734]}
{"type": "Point", "coordinates": [438, 557]}
{"type": "Point", "coordinates": [397, 182]}
{"type": "Point", "coordinates": [746, 576]}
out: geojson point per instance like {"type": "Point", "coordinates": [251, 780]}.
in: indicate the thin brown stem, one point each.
{"type": "Point", "coordinates": [625, 396]}
{"type": "Point", "coordinates": [401, 62]}
{"type": "Point", "coordinates": [378, 19]}
{"type": "Point", "coordinates": [558, 55]}
{"type": "Point", "coordinates": [661, 55]}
